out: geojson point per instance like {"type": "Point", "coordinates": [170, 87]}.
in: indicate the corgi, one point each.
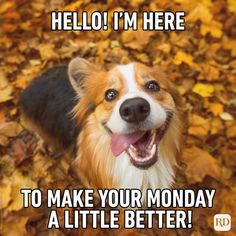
{"type": "Point", "coordinates": [123, 126]}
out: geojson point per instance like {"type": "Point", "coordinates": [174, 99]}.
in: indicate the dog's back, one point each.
{"type": "Point", "coordinates": [47, 104]}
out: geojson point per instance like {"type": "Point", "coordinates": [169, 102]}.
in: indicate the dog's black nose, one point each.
{"type": "Point", "coordinates": [134, 110]}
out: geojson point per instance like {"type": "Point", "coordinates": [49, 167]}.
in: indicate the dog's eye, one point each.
{"type": "Point", "coordinates": [152, 86]}
{"type": "Point", "coordinates": [110, 94]}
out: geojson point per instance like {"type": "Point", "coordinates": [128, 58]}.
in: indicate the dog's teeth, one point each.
{"type": "Point", "coordinates": [132, 148]}
{"type": "Point", "coordinates": [152, 141]}
{"type": "Point", "coordinates": [132, 152]}
{"type": "Point", "coordinates": [153, 150]}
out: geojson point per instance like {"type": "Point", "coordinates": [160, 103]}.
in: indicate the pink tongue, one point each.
{"type": "Point", "coordinates": [119, 143]}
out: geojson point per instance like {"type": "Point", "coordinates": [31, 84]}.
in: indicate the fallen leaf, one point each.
{"type": "Point", "coordinates": [198, 125]}
{"type": "Point", "coordinates": [10, 129]}
{"type": "Point", "coordinates": [5, 187]}
{"type": "Point", "coordinates": [213, 27]}
{"type": "Point", "coordinates": [3, 140]}
{"type": "Point", "coordinates": [226, 116]}
{"type": "Point", "coordinates": [200, 12]}
{"type": "Point", "coordinates": [231, 130]}
{"type": "Point", "coordinates": [47, 51]}
{"type": "Point", "coordinates": [216, 108]}
{"type": "Point", "coordinates": [200, 164]}
{"type": "Point", "coordinates": [5, 6]}
{"type": "Point", "coordinates": [204, 90]}
{"type": "Point", "coordinates": [136, 39]}
{"type": "Point", "coordinates": [232, 5]}
{"type": "Point", "coordinates": [19, 181]}
{"type": "Point", "coordinates": [18, 150]}
{"type": "Point", "coordinates": [15, 226]}
{"type": "Point", "coordinates": [183, 57]}
{"type": "Point", "coordinates": [216, 125]}
{"type": "Point", "coordinates": [6, 94]}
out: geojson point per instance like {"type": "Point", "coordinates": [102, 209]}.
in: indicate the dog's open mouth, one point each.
{"type": "Point", "coordinates": [143, 153]}
{"type": "Point", "coordinates": [142, 146]}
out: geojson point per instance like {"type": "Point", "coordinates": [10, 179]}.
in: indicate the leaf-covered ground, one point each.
{"type": "Point", "coordinates": [200, 61]}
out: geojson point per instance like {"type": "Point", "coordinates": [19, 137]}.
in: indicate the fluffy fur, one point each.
{"type": "Point", "coordinates": [95, 119]}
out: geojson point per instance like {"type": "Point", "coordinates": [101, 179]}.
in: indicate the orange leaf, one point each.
{"type": "Point", "coordinates": [200, 164]}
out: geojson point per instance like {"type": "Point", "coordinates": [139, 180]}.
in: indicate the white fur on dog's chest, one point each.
{"type": "Point", "coordinates": [160, 175]}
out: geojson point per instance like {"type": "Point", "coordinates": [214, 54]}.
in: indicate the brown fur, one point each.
{"type": "Point", "coordinates": [95, 161]}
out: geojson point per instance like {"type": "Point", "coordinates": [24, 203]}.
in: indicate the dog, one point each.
{"type": "Point", "coordinates": [123, 126]}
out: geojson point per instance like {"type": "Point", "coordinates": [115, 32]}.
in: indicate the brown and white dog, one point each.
{"type": "Point", "coordinates": [125, 125]}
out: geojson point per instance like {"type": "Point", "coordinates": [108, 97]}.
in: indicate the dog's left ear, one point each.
{"type": "Point", "coordinates": [78, 70]}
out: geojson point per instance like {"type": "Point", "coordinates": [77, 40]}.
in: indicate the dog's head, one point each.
{"type": "Point", "coordinates": [131, 124]}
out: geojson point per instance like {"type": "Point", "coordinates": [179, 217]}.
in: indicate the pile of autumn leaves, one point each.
{"type": "Point", "coordinates": [200, 61]}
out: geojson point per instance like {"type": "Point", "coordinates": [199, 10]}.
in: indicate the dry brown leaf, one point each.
{"type": "Point", "coordinates": [198, 125]}
{"type": "Point", "coordinates": [200, 164]}
{"type": "Point", "coordinates": [3, 140]}
{"type": "Point", "coordinates": [18, 150]}
{"type": "Point", "coordinates": [6, 93]}
{"type": "Point", "coordinates": [15, 226]}
{"type": "Point", "coordinates": [136, 39]}
{"type": "Point", "coordinates": [10, 129]}
{"type": "Point", "coordinates": [5, 187]}
{"type": "Point", "coordinates": [47, 51]}
{"type": "Point", "coordinates": [7, 165]}
{"type": "Point", "coordinates": [216, 125]}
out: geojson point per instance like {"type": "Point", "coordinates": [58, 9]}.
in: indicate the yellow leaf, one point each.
{"type": "Point", "coordinates": [183, 57]}
{"type": "Point", "coordinates": [19, 181]}
{"type": "Point", "coordinates": [47, 51]}
{"type": "Point", "coordinates": [216, 125]}
{"type": "Point", "coordinates": [214, 28]}
{"type": "Point", "coordinates": [143, 57]}
{"type": "Point", "coordinates": [232, 5]}
{"type": "Point", "coordinates": [197, 131]}
{"type": "Point", "coordinates": [164, 47]}
{"type": "Point", "coordinates": [200, 12]}
{"type": "Point", "coordinates": [3, 80]}
{"type": "Point", "coordinates": [198, 125]}
{"type": "Point", "coordinates": [6, 93]}
{"type": "Point", "coordinates": [74, 6]}
{"type": "Point", "coordinates": [204, 90]}
{"type": "Point", "coordinates": [136, 3]}
{"type": "Point", "coordinates": [5, 197]}
{"type": "Point", "coordinates": [231, 46]}
{"type": "Point", "coordinates": [211, 72]}
{"type": "Point", "coordinates": [5, 6]}
{"type": "Point", "coordinates": [231, 131]}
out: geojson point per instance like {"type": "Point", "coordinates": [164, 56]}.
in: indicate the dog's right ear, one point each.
{"type": "Point", "coordinates": [78, 71]}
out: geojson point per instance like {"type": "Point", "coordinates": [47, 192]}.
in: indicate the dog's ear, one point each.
{"type": "Point", "coordinates": [78, 71]}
